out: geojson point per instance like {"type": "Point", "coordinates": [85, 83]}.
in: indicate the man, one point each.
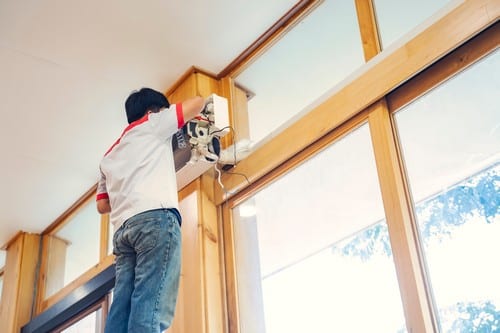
{"type": "Point", "coordinates": [138, 188]}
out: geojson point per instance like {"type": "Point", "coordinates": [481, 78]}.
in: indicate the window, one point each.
{"type": "Point", "coordinates": [312, 249]}
{"type": "Point", "coordinates": [309, 60]}
{"type": "Point", "coordinates": [73, 248]}
{"type": "Point", "coordinates": [451, 145]}
{"type": "Point", "coordinates": [91, 320]}
{"type": "Point", "coordinates": [396, 18]}
{"type": "Point", "coordinates": [90, 323]}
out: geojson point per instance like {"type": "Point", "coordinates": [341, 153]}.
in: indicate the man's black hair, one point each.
{"type": "Point", "coordinates": [144, 100]}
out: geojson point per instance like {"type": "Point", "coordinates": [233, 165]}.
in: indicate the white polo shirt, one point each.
{"type": "Point", "coordinates": [138, 171]}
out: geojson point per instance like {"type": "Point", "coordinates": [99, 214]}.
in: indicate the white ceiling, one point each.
{"type": "Point", "coordinates": [66, 68]}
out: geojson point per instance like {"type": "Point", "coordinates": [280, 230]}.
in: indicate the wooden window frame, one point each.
{"type": "Point", "coordinates": [431, 60]}
{"type": "Point", "coordinates": [105, 260]}
{"type": "Point", "coordinates": [227, 225]}
{"type": "Point", "coordinates": [72, 304]}
{"type": "Point", "coordinates": [102, 304]}
{"type": "Point", "coordinates": [382, 75]}
{"type": "Point", "coordinates": [2, 272]}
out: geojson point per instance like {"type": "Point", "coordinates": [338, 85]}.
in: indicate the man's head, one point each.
{"type": "Point", "coordinates": [141, 101]}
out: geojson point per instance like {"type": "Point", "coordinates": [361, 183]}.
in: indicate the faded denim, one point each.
{"type": "Point", "coordinates": [148, 258]}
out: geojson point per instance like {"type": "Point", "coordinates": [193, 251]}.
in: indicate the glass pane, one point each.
{"type": "Point", "coordinates": [3, 255]}
{"type": "Point", "coordinates": [451, 144]}
{"type": "Point", "coordinates": [313, 246]}
{"type": "Point", "coordinates": [91, 323]}
{"type": "Point", "coordinates": [396, 18]}
{"type": "Point", "coordinates": [307, 62]}
{"type": "Point", "coordinates": [73, 249]}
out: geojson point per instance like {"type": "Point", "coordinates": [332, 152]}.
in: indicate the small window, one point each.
{"type": "Point", "coordinates": [91, 320]}
{"type": "Point", "coordinates": [312, 58]}
{"type": "Point", "coordinates": [73, 248]}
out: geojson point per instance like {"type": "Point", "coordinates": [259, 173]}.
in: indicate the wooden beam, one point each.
{"type": "Point", "coordinates": [458, 60]}
{"type": "Point", "coordinates": [400, 222]}
{"type": "Point", "coordinates": [230, 286]}
{"type": "Point", "coordinates": [368, 28]}
{"type": "Point", "coordinates": [211, 260]}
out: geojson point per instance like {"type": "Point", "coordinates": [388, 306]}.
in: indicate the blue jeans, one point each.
{"type": "Point", "coordinates": [148, 258]}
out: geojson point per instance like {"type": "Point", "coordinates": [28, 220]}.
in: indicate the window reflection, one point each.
{"type": "Point", "coordinates": [307, 62]}
{"type": "Point", "coordinates": [298, 244]}
{"type": "Point", "coordinates": [73, 249]}
{"type": "Point", "coordinates": [451, 145]}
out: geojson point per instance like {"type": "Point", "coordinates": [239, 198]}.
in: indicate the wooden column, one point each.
{"type": "Point", "coordinates": [190, 309]}
{"type": "Point", "coordinates": [211, 256]}
{"type": "Point", "coordinates": [19, 281]}
{"type": "Point", "coordinates": [200, 302]}
{"type": "Point", "coordinates": [368, 28]}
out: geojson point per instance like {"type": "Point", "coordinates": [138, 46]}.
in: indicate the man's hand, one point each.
{"type": "Point", "coordinates": [103, 206]}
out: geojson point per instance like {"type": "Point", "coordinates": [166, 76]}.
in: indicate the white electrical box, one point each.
{"type": "Point", "coordinates": [186, 170]}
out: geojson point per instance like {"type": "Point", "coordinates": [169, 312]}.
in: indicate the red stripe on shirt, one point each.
{"type": "Point", "coordinates": [180, 115]}
{"type": "Point", "coordinates": [101, 196]}
{"type": "Point", "coordinates": [128, 128]}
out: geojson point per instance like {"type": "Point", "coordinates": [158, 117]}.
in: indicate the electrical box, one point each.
{"type": "Point", "coordinates": [187, 169]}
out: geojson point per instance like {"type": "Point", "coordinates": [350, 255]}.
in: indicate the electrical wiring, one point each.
{"type": "Point", "coordinates": [219, 172]}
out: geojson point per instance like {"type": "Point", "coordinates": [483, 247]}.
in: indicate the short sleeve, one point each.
{"type": "Point", "coordinates": [166, 123]}
{"type": "Point", "coordinates": [102, 192]}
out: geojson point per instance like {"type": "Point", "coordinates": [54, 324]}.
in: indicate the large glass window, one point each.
{"type": "Point", "coordinates": [74, 248]}
{"type": "Point", "coordinates": [308, 61]}
{"type": "Point", "coordinates": [451, 145]}
{"type": "Point", "coordinates": [396, 18]}
{"type": "Point", "coordinates": [312, 251]}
